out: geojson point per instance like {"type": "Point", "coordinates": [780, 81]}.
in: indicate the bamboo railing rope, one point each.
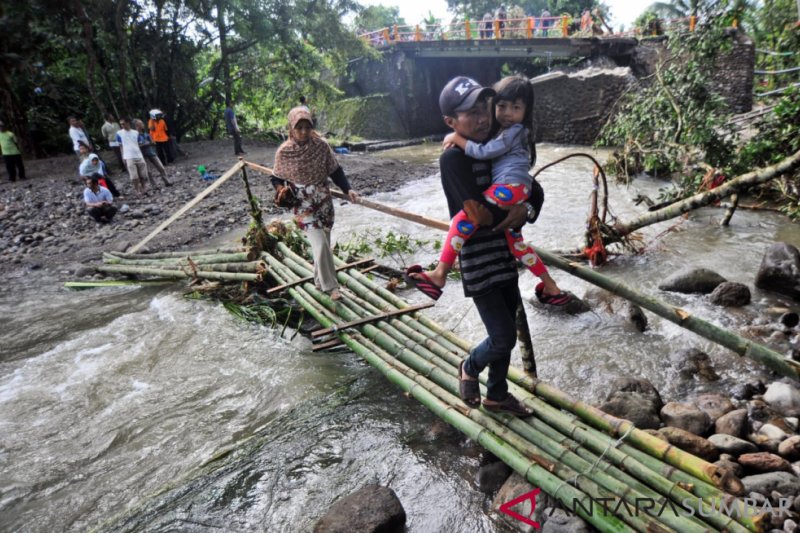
{"type": "Point", "coordinates": [720, 520]}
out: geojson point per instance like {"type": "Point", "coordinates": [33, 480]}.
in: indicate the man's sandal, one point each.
{"type": "Point", "coordinates": [510, 406]}
{"type": "Point", "coordinates": [468, 389]}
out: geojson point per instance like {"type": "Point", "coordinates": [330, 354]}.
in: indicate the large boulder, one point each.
{"type": "Point", "coordinates": [372, 509]}
{"type": "Point", "coordinates": [780, 270]}
{"type": "Point", "coordinates": [730, 294]}
{"type": "Point", "coordinates": [783, 397]}
{"type": "Point", "coordinates": [686, 417]}
{"type": "Point", "coordinates": [559, 521]}
{"type": "Point", "coordinates": [697, 280]}
{"type": "Point", "coordinates": [490, 477]}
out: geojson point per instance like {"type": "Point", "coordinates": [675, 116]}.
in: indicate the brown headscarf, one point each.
{"type": "Point", "coordinates": [304, 164]}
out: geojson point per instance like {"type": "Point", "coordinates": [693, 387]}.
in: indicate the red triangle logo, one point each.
{"type": "Point", "coordinates": [506, 507]}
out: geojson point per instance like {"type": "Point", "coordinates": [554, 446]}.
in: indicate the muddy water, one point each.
{"type": "Point", "coordinates": [139, 409]}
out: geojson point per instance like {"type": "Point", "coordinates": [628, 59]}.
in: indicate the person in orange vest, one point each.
{"type": "Point", "coordinates": [160, 135]}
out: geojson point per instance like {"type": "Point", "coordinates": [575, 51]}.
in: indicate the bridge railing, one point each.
{"type": "Point", "coordinates": [519, 28]}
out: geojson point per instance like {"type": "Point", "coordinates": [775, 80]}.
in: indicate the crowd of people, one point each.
{"type": "Point", "coordinates": [135, 146]}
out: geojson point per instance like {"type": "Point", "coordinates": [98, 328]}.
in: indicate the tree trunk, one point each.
{"type": "Point", "coordinates": [91, 55]}
{"type": "Point", "coordinates": [122, 59]}
{"type": "Point", "coordinates": [223, 47]}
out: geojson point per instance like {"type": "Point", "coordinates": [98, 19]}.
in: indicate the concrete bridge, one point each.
{"type": "Point", "coordinates": [396, 96]}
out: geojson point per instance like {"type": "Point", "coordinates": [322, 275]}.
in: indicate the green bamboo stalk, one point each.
{"type": "Point", "coordinates": [142, 271]}
{"type": "Point", "coordinates": [721, 521]}
{"type": "Point", "coordinates": [697, 467]}
{"type": "Point", "coordinates": [79, 285]}
{"type": "Point", "coordinates": [179, 254]}
{"type": "Point", "coordinates": [596, 440]}
{"type": "Point", "coordinates": [201, 260]}
{"type": "Point", "coordinates": [529, 469]}
{"type": "Point", "coordinates": [247, 266]}
{"type": "Point", "coordinates": [740, 345]}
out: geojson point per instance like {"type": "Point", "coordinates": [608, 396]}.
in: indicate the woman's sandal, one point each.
{"type": "Point", "coordinates": [510, 406]}
{"type": "Point", "coordinates": [558, 300]}
{"type": "Point", "coordinates": [468, 389]}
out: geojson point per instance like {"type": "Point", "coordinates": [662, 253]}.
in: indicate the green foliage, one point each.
{"type": "Point", "coordinates": [87, 57]}
{"type": "Point", "coordinates": [373, 18]}
{"type": "Point", "coordinates": [395, 246]}
{"type": "Point", "coordinates": [675, 120]}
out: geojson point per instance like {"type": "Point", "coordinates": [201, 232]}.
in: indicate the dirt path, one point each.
{"type": "Point", "coordinates": [44, 225]}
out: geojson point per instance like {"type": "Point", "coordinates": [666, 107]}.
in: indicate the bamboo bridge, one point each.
{"type": "Point", "coordinates": [569, 449]}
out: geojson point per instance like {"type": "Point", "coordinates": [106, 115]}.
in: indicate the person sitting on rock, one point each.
{"type": "Point", "coordinates": [98, 200]}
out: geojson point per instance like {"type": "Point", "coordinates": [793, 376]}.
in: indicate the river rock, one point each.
{"type": "Point", "coordinates": [714, 405]}
{"type": "Point", "coordinates": [633, 406]}
{"type": "Point", "coordinates": [490, 477]}
{"type": "Point", "coordinates": [784, 397]}
{"type": "Point", "coordinates": [745, 391]}
{"type": "Point", "coordinates": [692, 363]}
{"type": "Point", "coordinates": [790, 448]}
{"type": "Point", "coordinates": [697, 280]}
{"type": "Point", "coordinates": [514, 487]}
{"type": "Point", "coordinates": [733, 423]}
{"type": "Point", "coordinates": [780, 270]}
{"type": "Point", "coordinates": [732, 445]}
{"type": "Point", "coordinates": [687, 417]}
{"type": "Point", "coordinates": [730, 294]}
{"type": "Point", "coordinates": [789, 320]}
{"type": "Point", "coordinates": [558, 521]}
{"type": "Point", "coordinates": [603, 300]}
{"type": "Point", "coordinates": [691, 443]}
{"type": "Point", "coordinates": [372, 508]}
{"type": "Point", "coordinates": [761, 462]}
{"type": "Point", "coordinates": [783, 482]}
{"type": "Point", "coordinates": [769, 437]}
{"type": "Point", "coordinates": [726, 461]}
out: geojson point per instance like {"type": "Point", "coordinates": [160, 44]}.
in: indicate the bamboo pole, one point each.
{"type": "Point", "coordinates": [772, 359]}
{"type": "Point", "coordinates": [163, 273]}
{"type": "Point", "coordinates": [479, 433]}
{"type": "Point", "coordinates": [248, 266]}
{"type": "Point", "coordinates": [704, 475]}
{"type": "Point", "coordinates": [721, 521]}
{"type": "Point", "coordinates": [196, 200]}
{"type": "Point", "coordinates": [700, 470]}
{"type": "Point", "coordinates": [178, 254]}
{"type": "Point", "coordinates": [737, 184]}
{"type": "Point", "coordinates": [200, 260]}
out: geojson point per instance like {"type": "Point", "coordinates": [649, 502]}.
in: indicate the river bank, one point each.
{"type": "Point", "coordinates": [44, 224]}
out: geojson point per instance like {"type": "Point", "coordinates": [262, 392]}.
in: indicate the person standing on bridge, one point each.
{"type": "Point", "coordinates": [486, 26]}
{"type": "Point", "coordinates": [306, 161]}
{"type": "Point", "coordinates": [488, 269]}
{"type": "Point", "coordinates": [512, 153]}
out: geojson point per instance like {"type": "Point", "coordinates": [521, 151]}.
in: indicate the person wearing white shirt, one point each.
{"type": "Point", "coordinates": [134, 160]}
{"type": "Point", "coordinates": [98, 200]}
{"type": "Point", "coordinates": [78, 136]}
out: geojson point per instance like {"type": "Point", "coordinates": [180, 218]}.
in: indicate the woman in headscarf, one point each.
{"type": "Point", "coordinates": [306, 162]}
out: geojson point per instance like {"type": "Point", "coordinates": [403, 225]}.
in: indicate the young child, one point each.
{"type": "Point", "coordinates": [512, 152]}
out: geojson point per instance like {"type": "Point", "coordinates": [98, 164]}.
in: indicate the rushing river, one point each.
{"type": "Point", "coordinates": [137, 408]}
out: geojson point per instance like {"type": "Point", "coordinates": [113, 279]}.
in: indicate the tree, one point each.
{"type": "Point", "coordinates": [373, 18]}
